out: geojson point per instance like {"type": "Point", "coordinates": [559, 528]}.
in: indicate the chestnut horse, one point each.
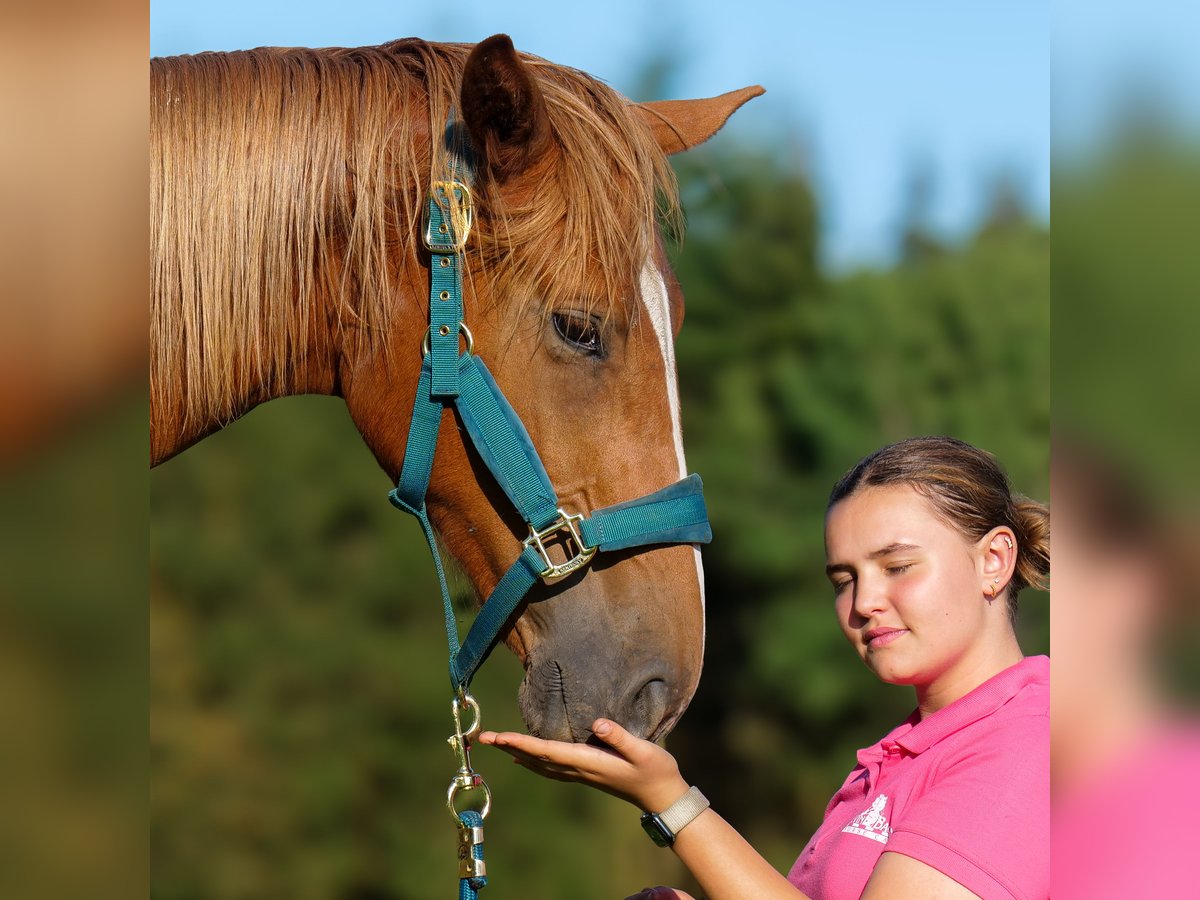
{"type": "Point", "coordinates": [287, 194]}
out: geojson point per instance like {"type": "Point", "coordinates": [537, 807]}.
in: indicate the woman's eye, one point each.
{"type": "Point", "coordinates": [899, 570]}
{"type": "Point", "coordinates": [580, 331]}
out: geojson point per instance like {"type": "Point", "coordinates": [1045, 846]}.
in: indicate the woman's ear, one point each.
{"type": "Point", "coordinates": [998, 549]}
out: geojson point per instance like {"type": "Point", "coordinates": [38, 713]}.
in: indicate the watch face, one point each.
{"type": "Point", "coordinates": [659, 833]}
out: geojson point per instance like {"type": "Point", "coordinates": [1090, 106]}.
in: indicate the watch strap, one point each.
{"type": "Point", "coordinates": [683, 810]}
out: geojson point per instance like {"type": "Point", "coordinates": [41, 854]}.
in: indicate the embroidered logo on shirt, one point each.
{"type": "Point", "coordinates": [872, 823]}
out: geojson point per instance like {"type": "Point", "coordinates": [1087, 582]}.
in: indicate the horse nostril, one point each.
{"type": "Point", "coordinates": [648, 707]}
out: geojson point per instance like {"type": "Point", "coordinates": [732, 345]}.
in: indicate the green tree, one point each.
{"type": "Point", "coordinates": [788, 378]}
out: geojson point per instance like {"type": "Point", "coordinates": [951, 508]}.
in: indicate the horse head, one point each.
{"type": "Point", "coordinates": [574, 308]}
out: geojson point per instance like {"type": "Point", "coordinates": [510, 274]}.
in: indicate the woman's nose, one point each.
{"type": "Point", "coordinates": [870, 597]}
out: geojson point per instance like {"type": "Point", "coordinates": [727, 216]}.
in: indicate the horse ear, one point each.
{"type": "Point", "coordinates": [679, 125]}
{"type": "Point", "coordinates": [503, 108]}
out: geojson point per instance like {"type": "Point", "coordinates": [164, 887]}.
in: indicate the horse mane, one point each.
{"type": "Point", "coordinates": [283, 176]}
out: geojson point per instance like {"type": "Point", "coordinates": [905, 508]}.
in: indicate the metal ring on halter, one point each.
{"type": "Point", "coordinates": [476, 783]}
{"type": "Point", "coordinates": [445, 329]}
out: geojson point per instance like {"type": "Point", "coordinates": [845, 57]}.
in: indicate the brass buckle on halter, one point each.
{"type": "Point", "coordinates": [569, 525]}
{"type": "Point", "coordinates": [455, 199]}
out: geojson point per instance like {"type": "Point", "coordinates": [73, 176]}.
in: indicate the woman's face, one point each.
{"type": "Point", "coordinates": [908, 586]}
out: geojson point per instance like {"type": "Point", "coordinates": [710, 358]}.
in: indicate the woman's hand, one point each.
{"type": "Point", "coordinates": [637, 771]}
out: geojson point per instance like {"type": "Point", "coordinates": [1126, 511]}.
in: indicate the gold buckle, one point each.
{"type": "Point", "coordinates": [568, 523]}
{"type": "Point", "coordinates": [461, 213]}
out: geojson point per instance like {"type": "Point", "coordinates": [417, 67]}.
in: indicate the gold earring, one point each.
{"type": "Point", "coordinates": [1008, 541]}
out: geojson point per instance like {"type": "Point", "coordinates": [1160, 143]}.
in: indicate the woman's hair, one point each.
{"type": "Point", "coordinates": [970, 491]}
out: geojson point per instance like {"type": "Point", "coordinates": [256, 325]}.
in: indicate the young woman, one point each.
{"type": "Point", "coordinates": [926, 549]}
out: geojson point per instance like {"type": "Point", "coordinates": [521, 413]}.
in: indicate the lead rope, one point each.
{"type": "Point", "coordinates": [472, 871]}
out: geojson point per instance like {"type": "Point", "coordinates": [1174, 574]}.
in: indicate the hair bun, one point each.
{"type": "Point", "coordinates": [1032, 524]}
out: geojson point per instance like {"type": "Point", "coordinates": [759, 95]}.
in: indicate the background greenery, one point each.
{"type": "Point", "coordinates": [299, 704]}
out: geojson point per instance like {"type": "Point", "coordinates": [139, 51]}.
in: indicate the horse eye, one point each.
{"type": "Point", "coordinates": [580, 331]}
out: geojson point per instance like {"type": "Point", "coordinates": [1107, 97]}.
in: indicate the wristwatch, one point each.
{"type": "Point", "coordinates": [662, 827]}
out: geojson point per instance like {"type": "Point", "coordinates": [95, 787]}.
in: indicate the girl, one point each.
{"type": "Point", "coordinates": [926, 549]}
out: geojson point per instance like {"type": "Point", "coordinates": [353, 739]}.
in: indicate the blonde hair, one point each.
{"type": "Point", "coordinates": [279, 175]}
{"type": "Point", "coordinates": [970, 490]}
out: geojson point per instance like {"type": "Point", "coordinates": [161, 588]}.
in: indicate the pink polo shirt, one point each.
{"type": "Point", "coordinates": [1130, 829]}
{"type": "Point", "coordinates": [965, 791]}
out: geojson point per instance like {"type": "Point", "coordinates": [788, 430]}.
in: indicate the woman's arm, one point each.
{"type": "Point", "coordinates": [719, 858]}
{"type": "Point", "coordinates": [647, 776]}
{"type": "Point", "coordinates": [897, 875]}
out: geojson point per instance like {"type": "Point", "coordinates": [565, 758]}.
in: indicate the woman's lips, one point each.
{"type": "Point", "coordinates": [881, 637]}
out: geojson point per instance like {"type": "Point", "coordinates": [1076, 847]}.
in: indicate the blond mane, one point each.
{"type": "Point", "coordinates": [284, 177]}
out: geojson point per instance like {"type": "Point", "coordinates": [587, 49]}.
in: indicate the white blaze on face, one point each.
{"type": "Point", "coordinates": [654, 298]}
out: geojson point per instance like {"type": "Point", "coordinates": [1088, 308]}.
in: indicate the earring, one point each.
{"type": "Point", "coordinates": [1008, 541]}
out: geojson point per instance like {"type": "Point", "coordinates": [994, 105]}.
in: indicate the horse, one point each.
{"type": "Point", "coordinates": [287, 188]}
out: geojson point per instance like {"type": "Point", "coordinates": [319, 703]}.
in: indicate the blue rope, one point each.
{"type": "Point", "coordinates": [469, 888]}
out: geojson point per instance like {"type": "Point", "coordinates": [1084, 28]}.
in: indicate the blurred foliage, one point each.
{"type": "Point", "coordinates": [73, 669]}
{"type": "Point", "coordinates": [1125, 281]}
{"type": "Point", "coordinates": [788, 378]}
{"type": "Point", "coordinates": [1124, 289]}
{"type": "Point", "coordinates": [299, 703]}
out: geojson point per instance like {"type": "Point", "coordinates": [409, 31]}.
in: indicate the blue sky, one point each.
{"type": "Point", "coordinates": [861, 91]}
{"type": "Point", "coordinates": [1103, 50]}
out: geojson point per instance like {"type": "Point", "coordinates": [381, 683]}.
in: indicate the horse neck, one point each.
{"type": "Point", "coordinates": [314, 369]}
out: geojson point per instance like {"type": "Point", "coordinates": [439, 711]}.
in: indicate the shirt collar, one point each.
{"type": "Point", "coordinates": [994, 693]}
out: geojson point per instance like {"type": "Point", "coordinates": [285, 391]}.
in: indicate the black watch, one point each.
{"type": "Point", "coordinates": [662, 827]}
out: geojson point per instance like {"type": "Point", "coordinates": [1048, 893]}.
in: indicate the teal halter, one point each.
{"type": "Point", "coordinates": [673, 515]}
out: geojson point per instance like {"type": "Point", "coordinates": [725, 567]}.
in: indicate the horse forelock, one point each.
{"type": "Point", "coordinates": [582, 235]}
{"type": "Point", "coordinates": [284, 179]}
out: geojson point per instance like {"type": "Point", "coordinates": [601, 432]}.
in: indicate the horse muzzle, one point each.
{"type": "Point", "coordinates": [562, 695]}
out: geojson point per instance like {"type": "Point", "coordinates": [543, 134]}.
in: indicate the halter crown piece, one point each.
{"type": "Point", "coordinates": [675, 514]}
